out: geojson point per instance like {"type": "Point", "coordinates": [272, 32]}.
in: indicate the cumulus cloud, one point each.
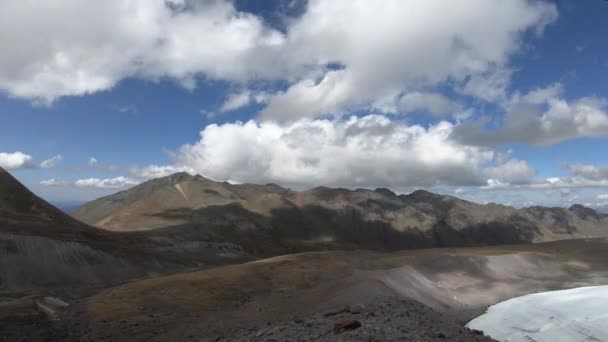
{"type": "Point", "coordinates": [54, 182]}
{"type": "Point", "coordinates": [414, 46]}
{"type": "Point", "coordinates": [541, 117]}
{"type": "Point", "coordinates": [360, 151]}
{"type": "Point", "coordinates": [157, 171]}
{"type": "Point", "coordinates": [71, 47]}
{"type": "Point", "coordinates": [489, 86]}
{"type": "Point", "coordinates": [243, 98]}
{"type": "Point", "coordinates": [580, 176]}
{"type": "Point", "coordinates": [20, 160]}
{"type": "Point", "coordinates": [329, 55]}
{"type": "Point", "coordinates": [93, 161]}
{"type": "Point", "coordinates": [432, 103]}
{"type": "Point", "coordinates": [51, 162]}
{"type": "Point", "coordinates": [108, 183]}
{"type": "Point", "coordinates": [513, 171]}
{"type": "Point", "coordinates": [15, 160]}
{"type": "Point", "coordinates": [588, 172]}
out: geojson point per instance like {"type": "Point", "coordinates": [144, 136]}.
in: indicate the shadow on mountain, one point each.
{"type": "Point", "coordinates": [233, 230]}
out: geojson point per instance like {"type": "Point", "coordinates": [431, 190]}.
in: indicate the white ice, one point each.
{"type": "Point", "coordinates": [574, 315]}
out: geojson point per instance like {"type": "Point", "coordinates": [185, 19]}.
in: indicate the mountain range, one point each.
{"type": "Point", "coordinates": [182, 256]}
{"type": "Point", "coordinates": [269, 219]}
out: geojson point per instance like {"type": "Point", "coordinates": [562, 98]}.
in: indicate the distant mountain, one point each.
{"type": "Point", "coordinates": [269, 219]}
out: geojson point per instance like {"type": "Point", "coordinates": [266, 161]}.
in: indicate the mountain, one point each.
{"type": "Point", "coordinates": [44, 249]}
{"type": "Point", "coordinates": [269, 219]}
{"type": "Point", "coordinates": [21, 210]}
{"type": "Point", "coordinates": [40, 246]}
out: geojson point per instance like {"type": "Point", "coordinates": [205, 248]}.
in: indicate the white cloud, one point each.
{"type": "Point", "coordinates": [108, 183]}
{"type": "Point", "coordinates": [93, 161]}
{"type": "Point", "coordinates": [490, 86]}
{"type": "Point", "coordinates": [243, 98]}
{"type": "Point", "coordinates": [51, 162]}
{"type": "Point", "coordinates": [540, 95]}
{"type": "Point", "coordinates": [20, 160]}
{"type": "Point", "coordinates": [236, 101]}
{"type": "Point", "coordinates": [15, 160]}
{"type": "Point", "coordinates": [589, 172]}
{"type": "Point", "coordinates": [71, 47]}
{"type": "Point", "coordinates": [367, 151]}
{"type": "Point", "coordinates": [513, 171]}
{"type": "Point", "coordinates": [433, 103]}
{"type": "Point", "coordinates": [581, 176]}
{"type": "Point", "coordinates": [413, 46]}
{"type": "Point", "coordinates": [54, 182]}
{"type": "Point", "coordinates": [602, 197]}
{"type": "Point", "coordinates": [542, 117]}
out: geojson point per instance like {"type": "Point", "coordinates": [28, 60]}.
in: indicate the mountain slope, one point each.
{"type": "Point", "coordinates": [22, 211]}
{"type": "Point", "coordinates": [269, 219]}
{"type": "Point", "coordinates": [44, 249]}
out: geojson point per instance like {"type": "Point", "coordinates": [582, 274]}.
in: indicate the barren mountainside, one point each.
{"type": "Point", "coordinates": [269, 218]}
{"type": "Point", "coordinates": [43, 248]}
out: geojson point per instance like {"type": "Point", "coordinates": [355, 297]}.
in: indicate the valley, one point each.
{"type": "Point", "coordinates": [223, 267]}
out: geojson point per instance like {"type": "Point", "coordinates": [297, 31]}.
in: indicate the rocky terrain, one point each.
{"type": "Point", "coordinates": [268, 220]}
{"type": "Point", "coordinates": [44, 249]}
{"type": "Point", "coordinates": [182, 258]}
{"type": "Point", "coordinates": [304, 296]}
{"type": "Point", "coordinates": [390, 319]}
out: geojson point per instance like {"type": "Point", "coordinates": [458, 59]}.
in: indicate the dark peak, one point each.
{"type": "Point", "coordinates": [275, 187]}
{"type": "Point", "coordinates": [579, 207]}
{"type": "Point", "coordinates": [180, 175]}
{"type": "Point", "coordinates": [385, 192]}
{"type": "Point", "coordinates": [583, 212]}
{"type": "Point", "coordinates": [422, 195]}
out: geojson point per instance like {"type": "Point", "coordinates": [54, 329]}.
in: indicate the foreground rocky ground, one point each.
{"type": "Point", "coordinates": [386, 319]}
{"type": "Point", "coordinates": [422, 295]}
{"type": "Point", "coordinates": [390, 319]}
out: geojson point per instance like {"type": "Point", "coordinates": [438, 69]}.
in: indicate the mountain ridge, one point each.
{"type": "Point", "coordinates": [341, 217]}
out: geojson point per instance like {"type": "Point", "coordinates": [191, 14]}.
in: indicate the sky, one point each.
{"type": "Point", "coordinates": [489, 100]}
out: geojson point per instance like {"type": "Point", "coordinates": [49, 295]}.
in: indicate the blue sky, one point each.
{"type": "Point", "coordinates": [422, 98]}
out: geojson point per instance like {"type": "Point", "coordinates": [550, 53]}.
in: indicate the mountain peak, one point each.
{"type": "Point", "coordinates": [583, 212]}
{"type": "Point", "coordinates": [20, 204]}
{"type": "Point", "coordinates": [180, 176]}
{"type": "Point", "coordinates": [172, 179]}
{"type": "Point", "coordinates": [385, 192]}
{"type": "Point", "coordinates": [424, 195]}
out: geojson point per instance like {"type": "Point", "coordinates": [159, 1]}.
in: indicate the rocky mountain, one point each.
{"type": "Point", "coordinates": [45, 249]}
{"type": "Point", "coordinates": [42, 247]}
{"type": "Point", "coordinates": [21, 210]}
{"type": "Point", "coordinates": [269, 219]}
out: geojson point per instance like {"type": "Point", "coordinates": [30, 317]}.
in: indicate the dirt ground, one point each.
{"type": "Point", "coordinates": [441, 288]}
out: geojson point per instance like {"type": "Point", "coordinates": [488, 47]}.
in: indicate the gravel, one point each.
{"type": "Point", "coordinates": [391, 319]}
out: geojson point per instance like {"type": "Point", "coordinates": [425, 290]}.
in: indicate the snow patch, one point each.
{"type": "Point", "coordinates": [569, 315]}
{"type": "Point", "coordinates": [179, 188]}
